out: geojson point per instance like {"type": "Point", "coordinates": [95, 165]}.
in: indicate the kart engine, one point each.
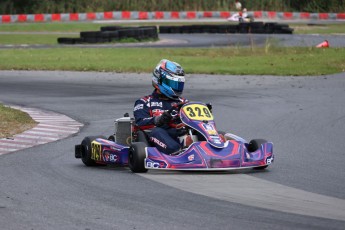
{"type": "Point", "coordinates": [123, 127]}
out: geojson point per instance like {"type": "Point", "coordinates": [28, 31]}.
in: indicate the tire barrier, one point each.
{"type": "Point", "coordinates": [112, 34]}
{"type": "Point", "coordinates": [116, 33]}
{"type": "Point", "coordinates": [251, 27]}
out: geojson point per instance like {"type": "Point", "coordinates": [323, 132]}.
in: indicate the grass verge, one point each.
{"type": "Point", "coordinates": [319, 28]}
{"type": "Point", "coordinates": [268, 60]}
{"type": "Point", "coordinates": [77, 27]}
{"type": "Point", "coordinates": [47, 33]}
{"type": "Point", "coordinates": [31, 39]}
{"type": "Point", "coordinates": [14, 121]}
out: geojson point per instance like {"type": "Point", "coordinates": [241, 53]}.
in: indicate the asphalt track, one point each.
{"type": "Point", "coordinates": [45, 187]}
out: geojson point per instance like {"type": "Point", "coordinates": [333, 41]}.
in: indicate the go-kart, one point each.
{"type": "Point", "coordinates": [210, 149]}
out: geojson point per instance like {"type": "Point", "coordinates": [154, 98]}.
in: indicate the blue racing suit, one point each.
{"type": "Point", "coordinates": [164, 138]}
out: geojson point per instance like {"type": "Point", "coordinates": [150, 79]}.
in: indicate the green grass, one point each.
{"type": "Point", "coordinates": [51, 27]}
{"type": "Point", "coordinates": [13, 121]}
{"type": "Point", "coordinates": [31, 39]}
{"type": "Point", "coordinates": [319, 29]}
{"type": "Point", "coordinates": [48, 39]}
{"type": "Point", "coordinates": [47, 33]}
{"type": "Point", "coordinates": [231, 60]}
{"type": "Point", "coordinates": [77, 27]}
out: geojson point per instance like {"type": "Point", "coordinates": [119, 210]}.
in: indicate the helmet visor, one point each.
{"type": "Point", "coordinates": [174, 68]}
{"type": "Point", "coordinates": [175, 83]}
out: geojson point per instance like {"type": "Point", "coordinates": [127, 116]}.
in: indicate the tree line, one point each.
{"type": "Point", "coordinates": [73, 6]}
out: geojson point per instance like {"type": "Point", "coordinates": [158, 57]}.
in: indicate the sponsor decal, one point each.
{"type": "Point", "coordinates": [155, 103]}
{"type": "Point", "coordinates": [152, 164]}
{"type": "Point", "coordinates": [114, 148]}
{"type": "Point", "coordinates": [106, 156]}
{"type": "Point", "coordinates": [147, 118]}
{"type": "Point", "coordinates": [109, 157]}
{"type": "Point", "coordinates": [155, 165]}
{"type": "Point", "coordinates": [113, 157]}
{"type": "Point", "coordinates": [138, 107]}
{"type": "Point", "coordinates": [96, 149]}
{"type": "Point", "coordinates": [269, 160]}
{"type": "Point", "coordinates": [210, 129]}
{"type": "Point", "coordinates": [216, 139]}
{"type": "Point", "coordinates": [158, 142]}
{"type": "Point", "coordinates": [191, 157]}
{"type": "Point", "coordinates": [157, 112]}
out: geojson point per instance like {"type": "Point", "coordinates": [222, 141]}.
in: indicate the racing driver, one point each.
{"type": "Point", "coordinates": [151, 112]}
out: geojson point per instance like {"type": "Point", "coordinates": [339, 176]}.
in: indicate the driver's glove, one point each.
{"type": "Point", "coordinates": [162, 119]}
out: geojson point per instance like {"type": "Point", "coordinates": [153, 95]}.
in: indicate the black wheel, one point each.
{"type": "Point", "coordinates": [261, 167]}
{"type": "Point", "coordinates": [142, 137]}
{"type": "Point", "coordinates": [255, 144]}
{"type": "Point", "coordinates": [136, 157]}
{"type": "Point", "coordinates": [111, 138]}
{"type": "Point", "coordinates": [86, 150]}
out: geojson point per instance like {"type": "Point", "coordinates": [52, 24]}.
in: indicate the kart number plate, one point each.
{"type": "Point", "coordinates": [96, 151]}
{"type": "Point", "coordinates": [198, 112]}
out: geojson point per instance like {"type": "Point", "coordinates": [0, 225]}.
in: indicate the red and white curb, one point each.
{"type": "Point", "coordinates": [51, 127]}
{"type": "Point", "coordinates": [168, 15]}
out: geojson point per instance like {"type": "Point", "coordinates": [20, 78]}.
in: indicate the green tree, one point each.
{"type": "Point", "coordinates": [69, 6]}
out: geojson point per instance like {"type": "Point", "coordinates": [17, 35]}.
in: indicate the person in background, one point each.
{"type": "Point", "coordinates": [238, 5]}
{"type": "Point", "coordinates": [242, 15]}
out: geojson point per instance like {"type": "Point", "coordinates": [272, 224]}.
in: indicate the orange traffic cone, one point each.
{"type": "Point", "coordinates": [324, 44]}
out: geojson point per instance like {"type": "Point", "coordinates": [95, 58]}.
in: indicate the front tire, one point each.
{"type": "Point", "coordinates": [87, 150]}
{"type": "Point", "coordinates": [253, 146]}
{"type": "Point", "coordinates": [111, 138]}
{"type": "Point", "coordinates": [261, 167]}
{"type": "Point", "coordinates": [136, 157]}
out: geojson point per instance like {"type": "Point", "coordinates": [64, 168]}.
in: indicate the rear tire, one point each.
{"type": "Point", "coordinates": [86, 150]}
{"type": "Point", "coordinates": [136, 157]}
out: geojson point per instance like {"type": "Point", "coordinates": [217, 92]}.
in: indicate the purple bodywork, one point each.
{"type": "Point", "coordinates": [212, 153]}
